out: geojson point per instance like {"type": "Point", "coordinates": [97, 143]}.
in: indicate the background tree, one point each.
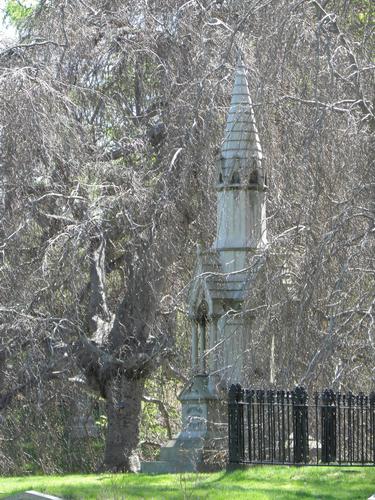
{"type": "Point", "coordinates": [111, 120]}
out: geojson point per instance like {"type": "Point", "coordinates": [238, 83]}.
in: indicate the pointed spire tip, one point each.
{"type": "Point", "coordinates": [241, 135]}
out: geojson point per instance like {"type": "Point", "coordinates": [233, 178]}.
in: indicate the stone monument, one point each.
{"type": "Point", "coordinates": [223, 277]}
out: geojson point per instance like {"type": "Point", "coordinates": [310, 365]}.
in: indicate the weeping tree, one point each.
{"type": "Point", "coordinates": [107, 139]}
{"type": "Point", "coordinates": [111, 120]}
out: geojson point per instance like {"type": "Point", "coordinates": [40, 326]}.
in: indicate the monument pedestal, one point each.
{"type": "Point", "coordinates": [203, 436]}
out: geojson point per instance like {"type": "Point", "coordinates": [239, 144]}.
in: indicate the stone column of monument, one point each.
{"type": "Point", "coordinates": [222, 280]}
{"type": "Point", "coordinates": [241, 183]}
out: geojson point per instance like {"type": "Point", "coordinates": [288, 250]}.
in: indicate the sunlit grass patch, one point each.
{"type": "Point", "coordinates": [258, 483]}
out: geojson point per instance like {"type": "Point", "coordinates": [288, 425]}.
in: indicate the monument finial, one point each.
{"type": "Point", "coordinates": [241, 140]}
{"type": "Point", "coordinates": [239, 57]}
{"type": "Point", "coordinates": [241, 207]}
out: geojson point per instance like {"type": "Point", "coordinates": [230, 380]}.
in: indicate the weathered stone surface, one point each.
{"type": "Point", "coordinates": [201, 411]}
{"type": "Point", "coordinates": [166, 467]}
{"type": "Point", "coordinates": [241, 139]}
{"type": "Point", "coordinates": [32, 495]}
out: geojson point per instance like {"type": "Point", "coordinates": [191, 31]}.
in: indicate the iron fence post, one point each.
{"type": "Point", "coordinates": [328, 412]}
{"type": "Point", "coordinates": [372, 425]}
{"type": "Point", "coordinates": [300, 425]}
{"type": "Point", "coordinates": [249, 402]}
{"type": "Point", "coordinates": [236, 424]}
{"type": "Point", "coordinates": [232, 421]}
{"type": "Point", "coordinates": [241, 425]}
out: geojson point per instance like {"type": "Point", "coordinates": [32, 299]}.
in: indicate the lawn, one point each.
{"type": "Point", "coordinates": [256, 483]}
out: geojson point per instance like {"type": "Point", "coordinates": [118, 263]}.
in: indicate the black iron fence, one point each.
{"type": "Point", "coordinates": [288, 427]}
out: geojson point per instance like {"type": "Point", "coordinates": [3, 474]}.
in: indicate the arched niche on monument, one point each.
{"type": "Point", "coordinates": [220, 171]}
{"type": "Point", "coordinates": [202, 320]}
{"type": "Point", "coordinates": [235, 179]}
{"type": "Point", "coordinates": [200, 327]}
{"type": "Point", "coordinates": [254, 178]}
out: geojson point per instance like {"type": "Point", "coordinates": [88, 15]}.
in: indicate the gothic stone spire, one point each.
{"type": "Point", "coordinates": [241, 152]}
{"type": "Point", "coordinates": [241, 188]}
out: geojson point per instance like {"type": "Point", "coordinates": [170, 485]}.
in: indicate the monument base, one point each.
{"type": "Point", "coordinates": [201, 444]}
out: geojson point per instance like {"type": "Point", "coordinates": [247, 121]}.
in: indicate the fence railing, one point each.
{"type": "Point", "coordinates": [288, 427]}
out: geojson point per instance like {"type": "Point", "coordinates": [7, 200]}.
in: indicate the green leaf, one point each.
{"type": "Point", "coordinates": [17, 11]}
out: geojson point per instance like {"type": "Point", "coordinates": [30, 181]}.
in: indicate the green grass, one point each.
{"type": "Point", "coordinates": [289, 483]}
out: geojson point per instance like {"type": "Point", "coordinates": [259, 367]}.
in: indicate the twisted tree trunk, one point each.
{"type": "Point", "coordinates": [124, 403]}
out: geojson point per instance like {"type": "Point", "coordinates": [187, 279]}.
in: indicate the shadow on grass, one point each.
{"type": "Point", "coordinates": [207, 492]}
{"type": "Point", "coordinates": [257, 483]}
{"type": "Point", "coordinates": [292, 486]}
{"type": "Point", "coordinates": [296, 482]}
